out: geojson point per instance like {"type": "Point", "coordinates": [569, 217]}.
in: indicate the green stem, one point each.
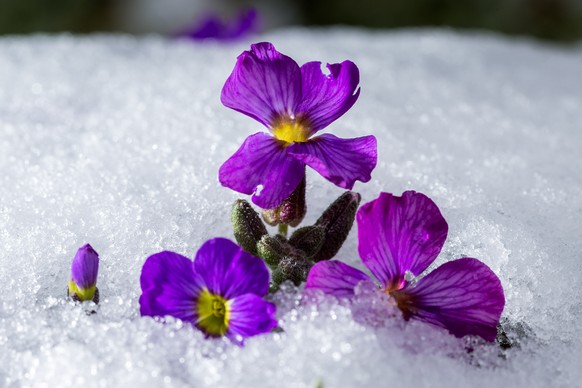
{"type": "Point", "coordinates": [283, 229]}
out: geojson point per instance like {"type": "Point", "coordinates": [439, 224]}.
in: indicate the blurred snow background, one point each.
{"type": "Point", "coordinates": [171, 16]}
{"type": "Point", "coordinates": [116, 141]}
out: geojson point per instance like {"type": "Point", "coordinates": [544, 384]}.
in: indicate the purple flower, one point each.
{"type": "Point", "coordinates": [212, 27]}
{"type": "Point", "coordinates": [221, 292]}
{"type": "Point", "coordinates": [294, 103]}
{"type": "Point", "coordinates": [405, 234]}
{"type": "Point", "coordinates": [84, 270]}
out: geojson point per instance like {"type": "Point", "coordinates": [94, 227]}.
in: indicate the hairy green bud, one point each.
{"type": "Point", "coordinates": [309, 239]}
{"type": "Point", "coordinates": [337, 220]}
{"type": "Point", "coordinates": [294, 269]}
{"type": "Point", "coordinates": [271, 249]}
{"type": "Point", "coordinates": [247, 225]}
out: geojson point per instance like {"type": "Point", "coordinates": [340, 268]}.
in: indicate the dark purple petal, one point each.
{"type": "Point", "coordinates": [264, 84]}
{"type": "Point", "coordinates": [250, 315]}
{"type": "Point", "coordinates": [85, 267]}
{"type": "Point", "coordinates": [464, 296]}
{"type": "Point", "coordinates": [229, 271]}
{"type": "Point", "coordinates": [327, 97]}
{"type": "Point", "coordinates": [212, 27]}
{"type": "Point", "coordinates": [209, 27]}
{"type": "Point", "coordinates": [399, 234]}
{"type": "Point", "coordinates": [334, 278]}
{"type": "Point", "coordinates": [262, 161]}
{"type": "Point", "coordinates": [169, 287]}
{"type": "Point", "coordinates": [341, 161]}
{"type": "Point", "coordinates": [247, 23]}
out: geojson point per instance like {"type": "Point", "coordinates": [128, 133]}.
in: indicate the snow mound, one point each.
{"type": "Point", "coordinates": [117, 141]}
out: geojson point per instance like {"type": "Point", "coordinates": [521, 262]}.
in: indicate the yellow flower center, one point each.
{"type": "Point", "coordinates": [82, 293]}
{"type": "Point", "coordinates": [213, 313]}
{"type": "Point", "coordinates": [291, 130]}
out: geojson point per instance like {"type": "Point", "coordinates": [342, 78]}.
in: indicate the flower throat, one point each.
{"type": "Point", "coordinates": [291, 130]}
{"type": "Point", "coordinates": [213, 313]}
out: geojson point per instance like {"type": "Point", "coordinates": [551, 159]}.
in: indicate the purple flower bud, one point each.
{"type": "Point", "coordinates": [84, 270]}
{"type": "Point", "coordinates": [291, 211]}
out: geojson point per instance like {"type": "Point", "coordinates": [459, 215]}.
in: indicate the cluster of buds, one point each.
{"type": "Point", "coordinates": [292, 258]}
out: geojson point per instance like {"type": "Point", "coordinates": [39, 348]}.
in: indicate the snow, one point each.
{"type": "Point", "coordinates": [116, 141]}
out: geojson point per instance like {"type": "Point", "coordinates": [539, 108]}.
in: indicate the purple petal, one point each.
{"type": "Point", "coordinates": [169, 287]}
{"type": "Point", "coordinates": [211, 27]}
{"type": "Point", "coordinates": [341, 161]}
{"type": "Point", "coordinates": [250, 315]}
{"type": "Point", "coordinates": [248, 22]}
{"type": "Point", "coordinates": [335, 278]}
{"type": "Point", "coordinates": [229, 271]}
{"type": "Point", "coordinates": [262, 161]}
{"type": "Point", "coordinates": [464, 296]}
{"type": "Point", "coordinates": [264, 84]}
{"type": "Point", "coordinates": [327, 97]}
{"type": "Point", "coordinates": [399, 234]}
{"type": "Point", "coordinates": [85, 267]}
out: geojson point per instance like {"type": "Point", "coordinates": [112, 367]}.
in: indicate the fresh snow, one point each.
{"type": "Point", "coordinates": [116, 141]}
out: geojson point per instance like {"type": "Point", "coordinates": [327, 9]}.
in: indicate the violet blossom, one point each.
{"type": "Point", "coordinates": [221, 292]}
{"type": "Point", "coordinates": [405, 234]}
{"type": "Point", "coordinates": [294, 103]}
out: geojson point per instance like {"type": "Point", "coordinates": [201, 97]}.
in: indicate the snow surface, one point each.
{"type": "Point", "coordinates": [117, 141]}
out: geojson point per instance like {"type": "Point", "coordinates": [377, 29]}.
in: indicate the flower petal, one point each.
{"type": "Point", "coordinates": [169, 287]}
{"type": "Point", "coordinates": [229, 271]}
{"type": "Point", "coordinates": [464, 296]}
{"type": "Point", "coordinates": [212, 27]}
{"type": "Point", "coordinates": [262, 161]}
{"type": "Point", "coordinates": [85, 267]}
{"type": "Point", "coordinates": [341, 161]}
{"type": "Point", "coordinates": [399, 234]}
{"type": "Point", "coordinates": [248, 22]}
{"type": "Point", "coordinates": [335, 278]}
{"type": "Point", "coordinates": [264, 84]}
{"type": "Point", "coordinates": [327, 97]}
{"type": "Point", "coordinates": [250, 315]}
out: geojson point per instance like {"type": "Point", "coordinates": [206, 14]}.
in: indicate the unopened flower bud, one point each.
{"type": "Point", "coordinates": [271, 216]}
{"type": "Point", "coordinates": [294, 269]}
{"type": "Point", "coordinates": [291, 211]}
{"type": "Point", "coordinates": [282, 239]}
{"type": "Point", "coordinates": [247, 225]}
{"type": "Point", "coordinates": [277, 278]}
{"type": "Point", "coordinates": [309, 239]}
{"type": "Point", "coordinates": [271, 249]}
{"type": "Point", "coordinates": [337, 220]}
{"type": "Point", "coordinates": [84, 271]}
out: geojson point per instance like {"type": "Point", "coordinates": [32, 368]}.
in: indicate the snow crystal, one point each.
{"type": "Point", "coordinates": [117, 141]}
